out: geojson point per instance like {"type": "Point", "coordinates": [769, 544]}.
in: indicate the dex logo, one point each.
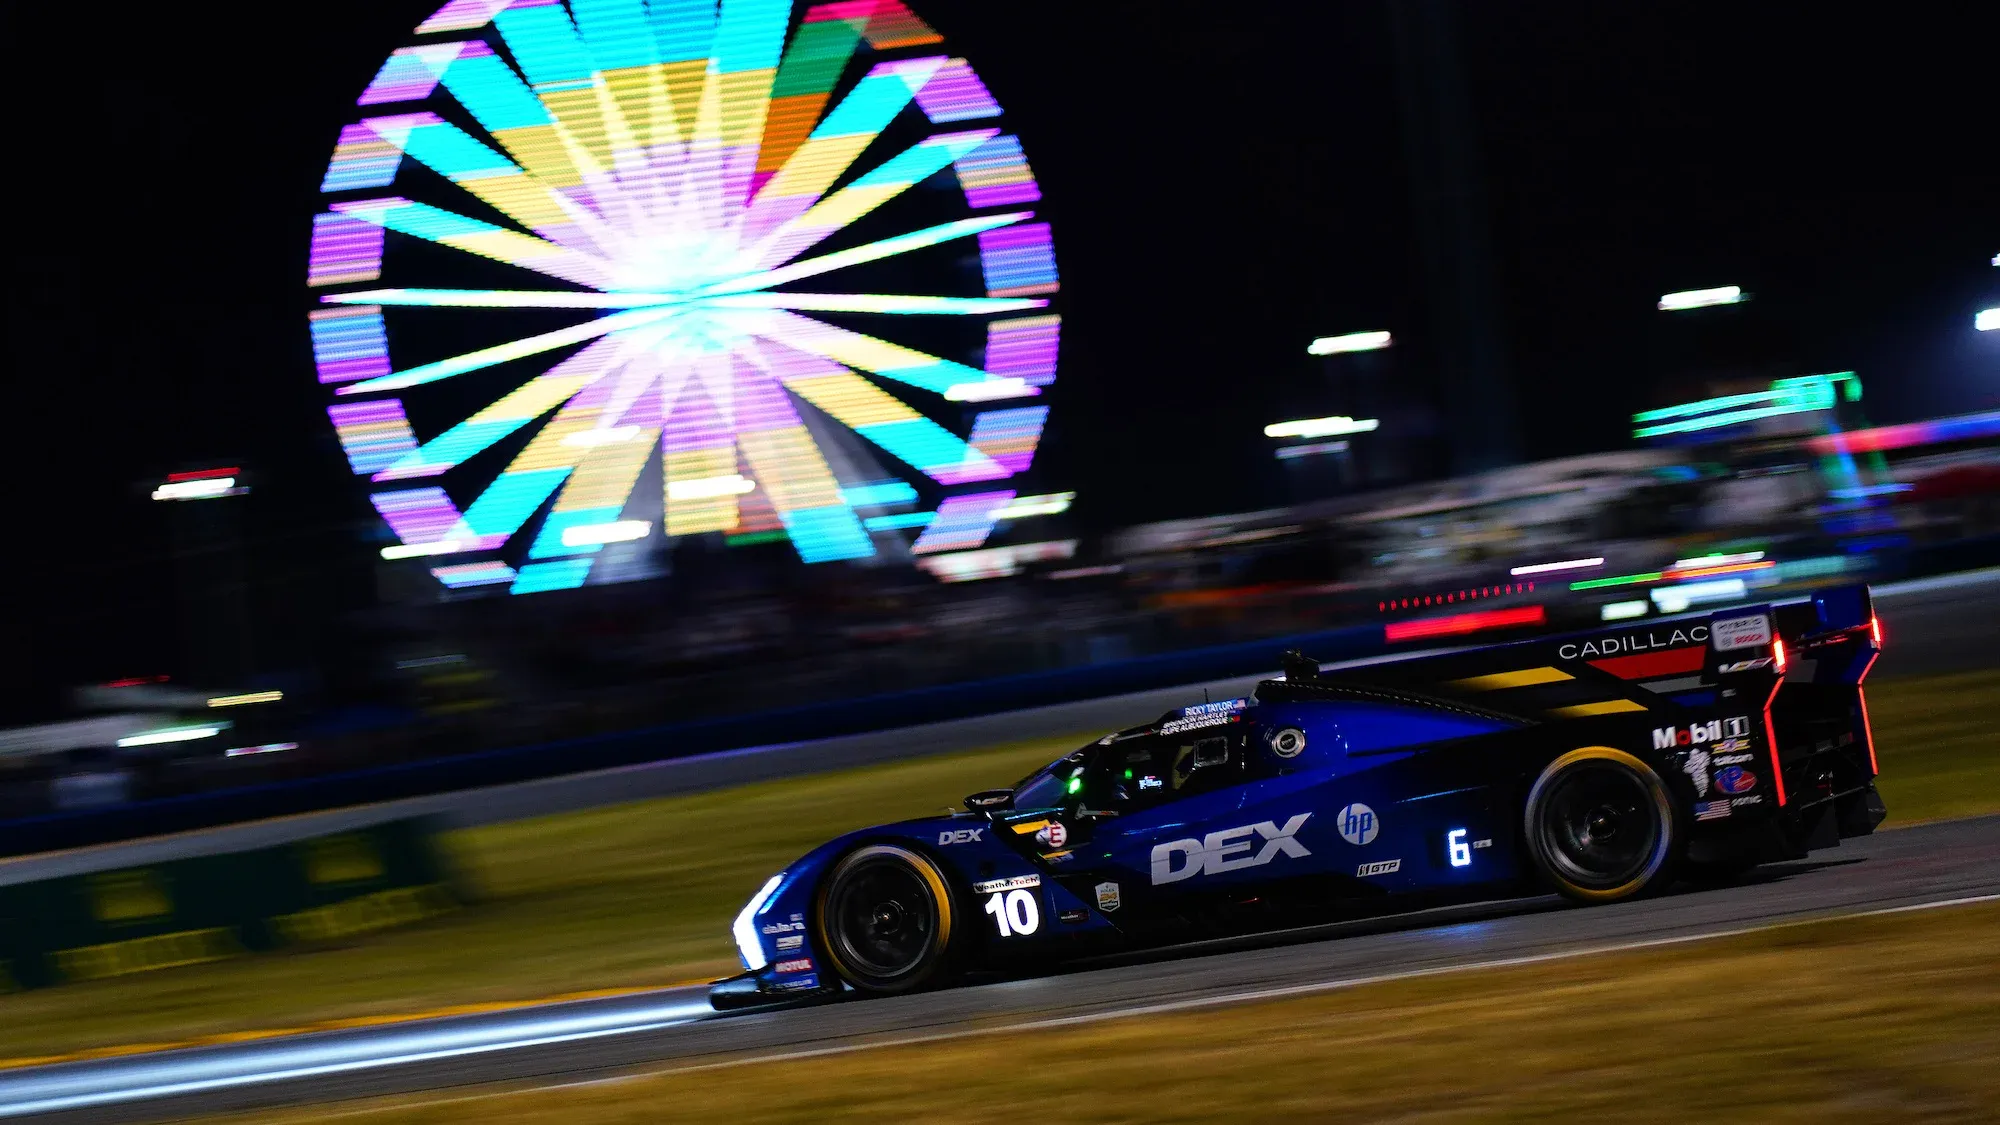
{"type": "Point", "coordinates": [1227, 850]}
{"type": "Point", "coordinates": [962, 836]}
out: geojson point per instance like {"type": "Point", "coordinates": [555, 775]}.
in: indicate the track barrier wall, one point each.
{"type": "Point", "coordinates": [213, 907]}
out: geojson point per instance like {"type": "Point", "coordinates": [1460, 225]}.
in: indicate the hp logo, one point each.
{"type": "Point", "coordinates": [1358, 825]}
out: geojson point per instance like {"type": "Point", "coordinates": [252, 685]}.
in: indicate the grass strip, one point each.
{"type": "Point", "coordinates": [641, 894]}
{"type": "Point", "coordinates": [1864, 1019]}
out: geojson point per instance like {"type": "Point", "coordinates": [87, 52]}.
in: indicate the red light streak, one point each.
{"type": "Point", "coordinates": [202, 474]}
{"type": "Point", "coordinates": [1778, 658]}
{"type": "Point", "coordinates": [1471, 593]}
{"type": "Point", "coordinates": [1867, 731]}
{"type": "Point", "coordinates": [1461, 623]}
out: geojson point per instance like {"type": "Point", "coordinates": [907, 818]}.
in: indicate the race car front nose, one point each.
{"type": "Point", "coordinates": [749, 943]}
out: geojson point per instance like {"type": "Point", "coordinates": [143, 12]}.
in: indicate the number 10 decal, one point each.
{"type": "Point", "coordinates": [1014, 912]}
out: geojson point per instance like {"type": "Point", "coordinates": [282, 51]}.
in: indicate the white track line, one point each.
{"type": "Point", "coordinates": [1251, 996]}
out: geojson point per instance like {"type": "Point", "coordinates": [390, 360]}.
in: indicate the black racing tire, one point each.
{"type": "Point", "coordinates": [885, 915]}
{"type": "Point", "coordinates": [1601, 826]}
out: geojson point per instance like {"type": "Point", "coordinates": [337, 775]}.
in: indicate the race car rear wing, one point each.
{"type": "Point", "coordinates": [1789, 674]}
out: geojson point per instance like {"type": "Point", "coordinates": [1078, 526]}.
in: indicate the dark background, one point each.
{"type": "Point", "coordinates": [1226, 182]}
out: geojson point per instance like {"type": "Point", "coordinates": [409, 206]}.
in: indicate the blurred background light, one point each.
{"type": "Point", "coordinates": [266, 748]}
{"type": "Point", "coordinates": [200, 488]}
{"type": "Point", "coordinates": [1701, 298]}
{"type": "Point", "coordinates": [171, 734]}
{"type": "Point", "coordinates": [1987, 321]}
{"type": "Point", "coordinates": [1352, 342]}
{"type": "Point", "coordinates": [1320, 427]}
{"type": "Point", "coordinates": [1294, 452]}
{"type": "Point", "coordinates": [1551, 567]}
{"type": "Point", "coordinates": [617, 531]}
{"type": "Point", "coordinates": [1678, 599]}
{"type": "Point", "coordinates": [245, 699]}
{"type": "Point", "coordinates": [1623, 611]}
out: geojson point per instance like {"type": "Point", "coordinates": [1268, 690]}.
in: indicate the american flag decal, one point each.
{"type": "Point", "coordinates": [1711, 810]}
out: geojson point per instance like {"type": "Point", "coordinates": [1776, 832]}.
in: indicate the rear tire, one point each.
{"type": "Point", "coordinates": [885, 918]}
{"type": "Point", "coordinates": [1601, 826]}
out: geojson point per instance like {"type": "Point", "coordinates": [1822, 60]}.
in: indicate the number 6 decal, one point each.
{"type": "Point", "coordinates": [1014, 912]}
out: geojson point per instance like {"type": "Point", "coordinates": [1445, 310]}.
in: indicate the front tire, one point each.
{"type": "Point", "coordinates": [1601, 826]}
{"type": "Point", "coordinates": [885, 919]}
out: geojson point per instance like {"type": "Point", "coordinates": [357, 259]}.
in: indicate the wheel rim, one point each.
{"type": "Point", "coordinates": [1600, 825]}
{"type": "Point", "coordinates": [883, 918]}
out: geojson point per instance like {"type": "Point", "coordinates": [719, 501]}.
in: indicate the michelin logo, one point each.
{"type": "Point", "coordinates": [1228, 850]}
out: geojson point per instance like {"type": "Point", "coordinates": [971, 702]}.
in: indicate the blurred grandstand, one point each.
{"type": "Point", "coordinates": [1741, 510]}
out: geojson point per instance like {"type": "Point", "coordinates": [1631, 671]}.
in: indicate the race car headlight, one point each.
{"type": "Point", "coordinates": [745, 929]}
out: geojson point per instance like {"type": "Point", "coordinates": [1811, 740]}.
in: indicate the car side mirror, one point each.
{"type": "Point", "coordinates": [990, 800]}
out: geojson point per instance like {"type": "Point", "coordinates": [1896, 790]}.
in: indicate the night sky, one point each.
{"type": "Point", "coordinates": [1225, 181]}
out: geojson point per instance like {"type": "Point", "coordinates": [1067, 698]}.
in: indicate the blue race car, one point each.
{"type": "Point", "coordinates": [1602, 765]}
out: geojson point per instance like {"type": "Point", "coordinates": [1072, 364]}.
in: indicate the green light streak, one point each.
{"type": "Point", "coordinates": [1623, 580]}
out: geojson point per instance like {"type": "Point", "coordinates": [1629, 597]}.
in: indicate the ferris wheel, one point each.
{"type": "Point", "coordinates": [587, 275]}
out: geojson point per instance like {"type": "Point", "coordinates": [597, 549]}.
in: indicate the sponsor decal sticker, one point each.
{"type": "Point", "coordinates": [1666, 738]}
{"type": "Point", "coordinates": [1107, 897]}
{"type": "Point", "coordinates": [1732, 746]}
{"type": "Point", "coordinates": [1735, 779]}
{"type": "Point", "coordinates": [797, 984]}
{"type": "Point", "coordinates": [1733, 759]}
{"type": "Point", "coordinates": [961, 836]}
{"type": "Point", "coordinates": [796, 965]}
{"type": "Point", "coordinates": [1231, 849]}
{"type": "Point", "coordinates": [1711, 810]}
{"type": "Point", "coordinates": [1625, 644]}
{"type": "Point", "coordinates": [1379, 867]}
{"type": "Point", "coordinates": [1753, 799]}
{"type": "Point", "coordinates": [1477, 844]}
{"type": "Point", "coordinates": [1072, 917]}
{"type": "Point", "coordinates": [1358, 825]}
{"type": "Point", "coordinates": [784, 927]}
{"type": "Point", "coordinates": [1054, 836]}
{"type": "Point", "coordinates": [1204, 715]}
{"type": "Point", "coordinates": [1288, 743]}
{"type": "Point", "coordinates": [1744, 665]}
{"type": "Point", "coordinates": [1009, 884]}
{"type": "Point", "coordinates": [790, 942]}
{"type": "Point", "coordinates": [1696, 767]}
{"type": "Point", "coordinates": [1150, 782]}
{"type": "Point", "coordinates": [1732, 633]}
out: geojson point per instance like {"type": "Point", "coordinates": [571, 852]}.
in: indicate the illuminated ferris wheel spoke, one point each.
{"type": "Point", "coordinates": [866, 409]}
{"type": "Point", "coordinates": [503, 353]}
{"type": "Point", "coordinates": [435, 224]}
{"type": "Point", "coordinates": [565, 299]}
{"type": "Point", "coordinates": [870, 252]}
{"type": "Point", "coordinates": [863, 352]}
{"type": "Point", "coordinates": [809, 219]}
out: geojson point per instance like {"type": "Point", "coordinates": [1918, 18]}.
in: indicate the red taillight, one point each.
{"type": "Point", "coordinates": [1778, 654]}
{"type": "Point", "coordinates": [1875, 629]}
{"type": "Point", "coordinates": [1867, 732]}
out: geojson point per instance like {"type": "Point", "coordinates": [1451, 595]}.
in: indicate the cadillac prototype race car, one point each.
{"type": "Point", "coordinates": [1601, 765]}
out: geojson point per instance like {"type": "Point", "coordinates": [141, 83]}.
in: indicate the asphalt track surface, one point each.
{"type": "Point", "coordinates": [1934, 625]}
{"type": "Point", "coordinates": [1912, 869]}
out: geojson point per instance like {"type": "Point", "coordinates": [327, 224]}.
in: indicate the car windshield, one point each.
{"type": "Point", "coordinates": [1046, 787]}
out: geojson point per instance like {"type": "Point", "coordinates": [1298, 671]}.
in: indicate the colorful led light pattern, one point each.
{"type": "Point", "coordinates": [664, 170]}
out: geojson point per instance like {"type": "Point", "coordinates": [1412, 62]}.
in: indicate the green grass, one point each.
{"type": "Point", "coordinates": [641, 894]}
{"type": "Point", "coordinates": [1891, 1018]}
{"type": "Point", "coordinates": [1938, 742]}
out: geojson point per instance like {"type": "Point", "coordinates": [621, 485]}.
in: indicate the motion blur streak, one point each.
{"type": "Point", "coordinates": [1461, 623]}
{"type": "Point", "coordinates": [142, 1078]}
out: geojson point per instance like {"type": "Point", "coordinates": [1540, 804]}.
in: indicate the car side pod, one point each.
{"type": "Point", "coordinates": [746, 990]}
